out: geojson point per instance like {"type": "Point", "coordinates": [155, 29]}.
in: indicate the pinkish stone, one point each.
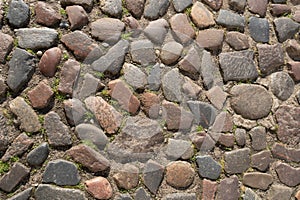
{"type": "Point", "coordinates": [46, 15]}
{"type": "Point", "coordinates": [180, 174]}
{"type": "Point", "coordinates": [135, 7]}
{"type": "Point", "coordinates": [68, 76]}
{"type": "Point", "coordinates": [214, 4]}
{"type": "Point", "coordinates": [280, 9]}
{"type": "Point", "coordinates": [211, 39]}
{"type": "Point", "coordinates": [6, 45]}
{"type": "Point", "coordinates": [296, 16]}
{"type": "Point", "coordinates": [77, 17]}
{"type": "Point", "coordinates": [297, 195]}
{"type": "Point", "coordinates": [50, 59]}
{"type": "Point", "coordinates": [258, 6]}
{"type": "Point", "coordinates": [99, 188]}
{"type": "Point", "coordinates": [40, 95]}
{"type": "Point", "coordinates": [150, 104]}
{"type": "Point", "coordinates": [294, 70]}
{"type": "Point", "coordinates": [217, 96]}
{"type": "Point", "coordinates": [209, 189]}
{"type": "Point", "coordinates": [201, 16]}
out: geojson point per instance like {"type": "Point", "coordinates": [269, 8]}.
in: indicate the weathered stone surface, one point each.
{"type": "Point", "coordinates": [6, 45]}
{"type": "Point", "coordinates": [295, 2]}
{"type": "Point", "coordinates": [208, 167]}
{"type": "Point", "coordinates": [237, 5]}
{"type": "Point", "coordinates": [238, 41]}
{"type": "Point", "coordinates": [134, 76]}
{"type": "Point", "coordinates": [258, 180]}
{"type": "Point", "coordinates": [279, 192]}
{"type": "Point", "coordinates": [203, 141]}
{"type": "Point", "coordinates": [87, 4]}
{"type": "Point", "coordinates": [288, 154]}
{"type": "Point", "coordinates": [77, 17]}
{"type": "Point", "coordinates": [204, 113]}
{"type": "Point", "coordinates": [155, 76]}
{"type": "Point", "coordinates": [238, 66]}
{"type": "Point", "coordinates": [46, 15]}
{"type": "Point", "coordinates": [237, 161]}
{"type": "Point", "coordinates": [177, 149]}
{"type": "Point", "coordinates": [57, 132]}
{"type": "Point", "coordinates": [18, 147]}
{"type": "Point", "coordinates": [135, 7]}
{"type": "Point", "coordinates": [179, 196]}
{"type": "Point", "coordinates": [156, 31]}
{"type": "Point", "coordinates": [74, 110]}
{"type": "Point", "coordinates": [61, 172]}
{"type": "Point", "coordinates": [228, 189]}
{"type": "Point", "coordinates": [99, 188]}
{"type": "Point", "coordinates": [88, 87]}
{"type": "Point", "coordinates": [293, 49]}
{"type": "Point", "coordinates": [41, 95]}
{"type": "Point", "coordinates": [211, 39]}
{"type": "Point", "coordinates": [170, 52]}
{"type": "Point", "coordinates": [214, 4]}
{"type": "Point", "coordinates": [26, 115]}
{"type": "Point", "coordinates": [258, 6]}
{"type": "Point", "coordinates": [24, 195]}
{"type": "Point", "coordinates": [123, 197]}
{"type": "Point", "coordinates": [37, 156]}
{"type": "Point", "coordinates": [190, 88]}
{"type": "Point", "coordinates": [259, 29]}
{"type": "Point", "coordinates": [201, 16]}
{"type": "Point", "coordinates": [171, 85]}
{"type": "Point", "coordinates": [296, 15]}
{"type": "Point", "coordinates": [231, 20]}
{"type": "Point", "coordinates": [36, 38]}
{"type": "Point", "coordinates": [111, 7]}
{"type": "Point", "coordinates": [142, 52]}
{"type": "Point", "coordinates": [288, 175]}
{"type": "Point", "coordinates": [182, 28]}
{"type": "Point", "coordinates": [176, 117]}
{"type": "Point", "coordinates": [180, 174]}
{"type": "Point", "coordinates": [21, 69]}
{"type": "Point", "coordinates": [109, 119]}
{"type": "Point", "coordinates": [18, 13]}
{"type": "Point", "coordinates": [150, 104]}
{"type": "Point", "coordinates": [245, 101]}
{"type": "Point", "coordinates": [286, 28]}
{"type": "Point", "coordinates": [88, 132]}
{"type": "Point", "coordinates": [107, 29]}
{"type": "Point", "coordinates": [122, 93]}
{"type": "Point", "coordinates": [16, 174]}
{"type": "Point", "coordinates": [240, 136]}
{"type": "Point", "coordinates": [127, 177]}
{"type": "Point", "coordinates": [288, 118]}
{"type": "Point", "coordinates": [141, 194]}
{"type": "Point", "coordinates": [258, 138]}
{"type": "Point", "coordinates": [156, 8]}
{"type": "Point", "coordinates": [50, 192]}
{"type": "Point", "coordinates": [223, 123]}
{"type": "Point", "coordinates": [181, 5]}
{"type": "Point", "coordinates": [49, 61]}
{"type": "Point", "coordinates": [69, 74]}
{"type": "Point", "coordinates": [261, 160]}
{"type": "Point", "coordinates": [226, 140]}
{"type": "Point", "coordinates": [153, 175]}
{"type": "Point", "coordinates": [251, 195]}
{"type": "Point", "coordinates": [3, 88]}
{"type": "Point", "coordinates": [113, 60]}
{"type": "Point", "coordinates": [282, 85]}
{"type": "Point", "coordinates": [280, 9]}
{"type": "Point", "coordinates": [209, 189]}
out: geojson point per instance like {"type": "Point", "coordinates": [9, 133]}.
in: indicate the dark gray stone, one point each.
{"type": "Point", "coordinates": [171, 85]}
{"type": "Point", "coordinates": [152, 175]}
{"type": "Point", "coordinates": [261, 160]}
{"type": "Point", "coordinates": [61, 172]}
{"type": "Point", "coordinates": [155, 76]}
{"type": "Point", "coordinates": [238, 66]}
{"type": "Point", "coordinates": [237, 161]}
{"type": "Point", "coordinates": [280, 192]}
{"type": "Point", "coordinates": [113, 60]}
{"type": "Point", "coordinates": [208, 167]}
{"type": "Point", "coordinates": [142, 52]}
{"type": "Point", "coordinates": [50, 192]}
{"type": "Point", "coordinates": [286, 28]}
{"type": "Point", "coordinates": [75, 111]}
{"type": "Point", "coordinates": [141, 194]}
{"type": "Point", "coordinates": [259, 29]}
{"type": "Point", "coordinates": [282, 85]}
{"type": "Point", "coordinates": [21, 69]}
{"type": "Point", "coordinates": [112, 7]}
{"type": "Point", "coordinates": [134, 76]}
{"type": "Point", "coordinates": [180, 196]}
{"type": "Point", "coordinates": [228, 189]}
{"type": "Point", "coordinates": [179, 149]}
{"type": "Point", "coordinates": [231, 20]}
{"type": "Point", "coordinates": [24, 195]}
{"type": "Point", "coordinates": [251, 195]}
{"type": "Point", "coordinates": [18, 13]}
{"type": "Point", "coordinates": [204, 113]}
{"type": "Point", "coordinates": [258, 138]}
{"type": "Point", "coordinates": [181, 5]}
{"type": "Point", "coordinates": [37, 38]}
{"type": "Point", "coordinates": [156, 31]}
{"type": "Point", "coordinates": [156, 8]}
{"type": "Point", "coordinates": [37, 156]}
{"type": "Point", "coordinates": [90, 85]}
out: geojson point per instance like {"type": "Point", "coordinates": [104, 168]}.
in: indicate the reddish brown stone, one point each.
{"type": "Point", "coordinates": [288, 175]}
{"type": "Point", "coordinates": [226, 140]}
{"type": "Point", "coordinates": [99, 188]}
{"type": "Point", "coordinates": [128, 177]}
{"type": "Point", "coordinates": [258, 180]}
{"type": "Point", "coordinates": [69, 74]}
{"type": "Point", "coordinates": [77, 17]}
{"type": "Point", "coordinates": [211, 39]}
{"type": "Point", "coordinates": [6, 45]}
{"type": "Point", "coordinates": [135, 7]}
{"type": "Point", "coordinates": [180, 174]}
{"type": "Point", "coordinates": [228, 189]}
{"type": "Point", "coordinates": [86, 4]}
{"type": "Point", "coordinates": [40, 95]}
{"type": "Point", "coordinates": [294, 70]}
{"type": "Point", "coordinates": [258, 6]}
{"type": "Point", "coordinates": [109, 119]}
{"type": "Point", "coordinates": [288, 154]}
{"type": "Point", "coordinates": [150, 104]}
{"type": "Point", "coordinates": [201, 16]}
{"type": "Point", "coordinates": [49, 61]}
{"type": "Point", "coordinates": [182, 28]}
{"type": "Point", "coordinates": [209, 189]}
{"type": "Point", "coordinates": [121, 92]}
{"type": "Point", "coordinates": [46, 15]}
{"type": "Point", "coordinates": [238, 41]}
{"type": "Point", "coordinates": [280, 9]}
{"type": "Point", "coordinates": [261, 160]}
{"type": "Point", "coordinates": [214, 4]}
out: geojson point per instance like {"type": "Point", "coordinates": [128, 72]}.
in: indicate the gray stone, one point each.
{"type": "Point", "coordinates": [123, 197]}
{"type": "Point", "coordinates": [177, 149]}
{"type": "Point", "coordinates": [6, 45]}
{"type": "Point", "coordinates": [287, 174]}
{"type": "Point", "coordinates": [286, 28]}
{"type": "Point", "coordinates": [280, 192]}
{"type": "Point", "coordinates": [257, 180]}
{"type": "Point", "coordinates": [231, 20]}
{"type": "Point", "coordinates": [250, 195]}
{"type": "Point", "coordinates": [37, 156]}
{"type": "Point", "coordinates": [156, 31]}
{"type": "Point", "coordinates": [26, 115]}
{"type": "Point", "coordinates": [238, 66]}
{"type": "Point", "coordinates": [57, 132]}
{"type": "Point", "coordinates": [21, 69]}
{"type": "Point", "coordinates": [259, 29]}
{"type": "Point", "coordinates": [170, 52]}
{"type": "Point", "coordinates": [134, 76]}
{"type": "Point", "coordinates": [228, 189]}
{"type": "Point", "coordinates": [37, 38]}
{"type": "Point", "coordinates": [89, 132]}
{"type": "Point", "coordinates": [237, 5]}
{"type": "Point", "coordinates": [208, 167]}
{"type": "Point", "coordinates": [61, 172]}
{"type": "Point", "coordinates": [282, 85]}
{"type": "Point", "coordinates": [24, 195]}
{"type": "Point", "coordinates": [240, 136]}
{"type": "Point", "coordinates": [141, 194]}
{"type": "Point", "coordinates": [180, 196]}
{"type": "Point", "coordinates": [113, 60]}
{"type": "Point", "coordinates": [152, 175]}
{"type": "Point", "coordinates": [204, 113]}
{"type": "Point", "coordinates": [112, 7]}
{"type": "Point", "coordinates": [16, 174]}
{"type": "Point", "coordinates": [75, 111]}
{"type": "Point", "coordinates": [18, 13]}
{"type": "Point", "coordinates": [155, 76]}
{"type": "Point", "coordinates": [50, 192]}
{"type": "Point", "coordinates": [181, 5]}
{"type": "Point", "coordinates": [171, 85]}
{"type": "Point", "coordinates": [191, 89]}
{"type": "Point", "coordinates": [261, 160]}
{"type": "Point", "coordinates": [293, 49]}
{"type": "Point", "coordinates": [237, 161]}
{"type": "Point", "coordinates": [251, 101]}
{"type": "Point", "coordinates": [142, 52]}
{"type": "Point", "coordinates": [258, 138]}
{"type": "Point", "coordinates": [223, 123]}
{"type": "Point", "coordinates": [89, 86]}
{"type": "Point", "coordinates": [156, 8]}
{"type": "Point", "coordinates": [284, 153]}
{"type": "Point", "coordinates": [3, 89]}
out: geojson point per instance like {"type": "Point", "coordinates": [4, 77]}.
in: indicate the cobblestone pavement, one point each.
{"type": "Point", "coordinates": [150, 99]}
